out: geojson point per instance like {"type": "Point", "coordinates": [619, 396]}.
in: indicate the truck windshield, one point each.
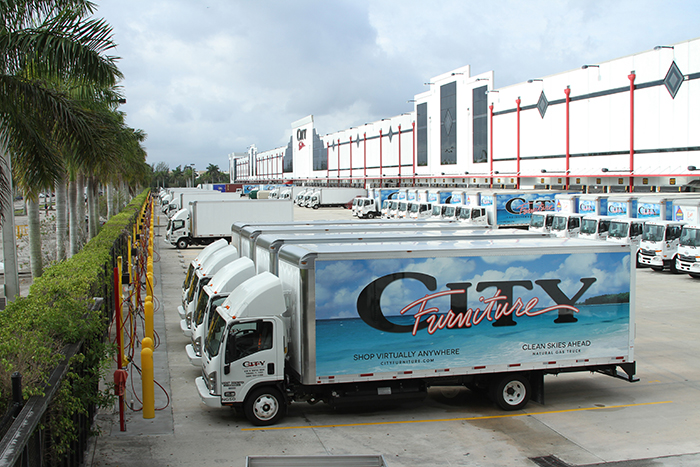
{"type": "Point", "coordinates": [559, 223]}
{"type": "Point", "coordinates": [385, 204]}
{"type": "Point", "coordinates": [393, 205]}
{"type": "Point", "coordinates": [618, 229]}
{"type": "Point", "coordinates": [588, 226]}
{"type": "Point", "coordinates": [436, 210]}
{"type": "Point", "coordinates": [403, 206]}
{"type": "Point", "coordinates": [690, 237]}
{"type": "Point", "coordinates": [188, 277]}
{"type": "Point", "coordinates": [215, 335]}
{"type": "Point", "coordinates": [193, 287]}
{"type": "Point", "coordinates": [653, 233]}
{"type": "Point", "coordinates": [464, 213]}
{"type": "Point", "coordinates": [200, 312]}
{"type": "Point", "coordinates": [449, 211]}
{"type": "Point", "coordinates": [369, 202]}
{"type": "Point", "coordinates": [414, 207]}
{"type": "Point", "coordinates": [537, 220]}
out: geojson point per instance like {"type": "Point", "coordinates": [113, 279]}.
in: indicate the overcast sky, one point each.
{"type": "Point", "coordinates": [205, 78]}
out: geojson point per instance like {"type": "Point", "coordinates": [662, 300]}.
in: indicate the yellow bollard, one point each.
{"type": "Point", "coordinates": [147, 385]}
{"type": "Point", "coordinates": [147, 342]}
{"type": "Point", "coordinates": [148, 318]}
{"type": "Point", "coordinates": [149, 284]}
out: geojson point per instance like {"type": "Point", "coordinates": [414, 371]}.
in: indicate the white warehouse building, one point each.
{"type": "Point", "coordinates": [622, 125]}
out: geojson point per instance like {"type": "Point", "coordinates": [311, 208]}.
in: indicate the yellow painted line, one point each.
{"type": "Point", "coordinates": [462, 419]}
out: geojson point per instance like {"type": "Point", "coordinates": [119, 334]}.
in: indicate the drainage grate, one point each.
{"type": "Point", "coordinates": [549, 461]}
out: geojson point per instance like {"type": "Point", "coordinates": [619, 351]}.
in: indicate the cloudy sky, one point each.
{"type": "Point", "coordinates": [205, 78]}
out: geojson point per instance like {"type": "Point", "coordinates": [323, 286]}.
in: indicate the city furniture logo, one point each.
{"type": "Point", "coordinates": [500, 308]}
{"type": "Point", "coordinates": [301, 136]}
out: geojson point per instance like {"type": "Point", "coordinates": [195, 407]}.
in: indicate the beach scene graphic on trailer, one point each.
{"type": "Point", "coordinates": [419, 313]}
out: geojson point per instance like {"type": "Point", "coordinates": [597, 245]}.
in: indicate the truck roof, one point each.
{"type": "Point", "coordinates": [273, 240]}
{"type": "Point", "coordinates": [304, 255]}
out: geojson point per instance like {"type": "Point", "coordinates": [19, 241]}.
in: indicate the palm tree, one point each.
{"type": "Point", "coordinates": [43, 42]}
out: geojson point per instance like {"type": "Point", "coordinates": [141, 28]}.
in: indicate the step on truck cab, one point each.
{"type": "Point", "coordinates": [441, 323]}
{"type": "Point", "coordinates": [688, 260]}
{"type": "Point", "coordinates": [659, 246]}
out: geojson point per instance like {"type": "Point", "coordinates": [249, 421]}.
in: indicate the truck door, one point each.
{"type": "Point", "coordinates": [250, 357]}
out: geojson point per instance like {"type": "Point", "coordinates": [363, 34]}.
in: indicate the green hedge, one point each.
{"type": "Point", "coordinates": [56, 312]}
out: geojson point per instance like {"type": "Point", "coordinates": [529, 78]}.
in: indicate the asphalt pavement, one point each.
{"type": "Point", "coordinates": [587, 419]}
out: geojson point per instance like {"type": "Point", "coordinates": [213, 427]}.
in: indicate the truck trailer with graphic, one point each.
{"type": "Point", "coordinates": [353, 323]}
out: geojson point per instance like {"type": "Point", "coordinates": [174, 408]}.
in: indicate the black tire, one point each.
{"type": "Point", "coordinates": [264, 406]}
{"type": "Point", "coordinates": [315, 206]}
{"type": "Point", "coordinates": [694, 275]}
{"type": "Point", "coordinates": [511, 391]}
{"type": "Point", "coordinates": [182, 244]}
{"type": "Point", "coordinates": [657, 268]}
{"type": "Point", "coordinates": [370, 215]}
{"type": "Point", "coordinates": [672, 267]}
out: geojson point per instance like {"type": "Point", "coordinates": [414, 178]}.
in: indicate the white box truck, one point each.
{"type": "Point", "coordinates": [688, 260]}
{"type": "Point", "coordinates": [414, 315]}
{"type": "Point", "coordinates": [203, 222]}
{"type": "Point", "coordinates": [330, 197]}
{"type": "Point", "coordinates": [659, 246]}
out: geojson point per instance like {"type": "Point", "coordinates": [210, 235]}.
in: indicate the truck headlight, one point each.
{"type": "Point", "coordinates": [212, 382]}
{"type": "Point", "coordinates": [197, 346]}
{"type": "Point", "coordinates": [188, 320]}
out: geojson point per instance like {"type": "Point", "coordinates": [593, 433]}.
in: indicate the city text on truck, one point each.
{"type": "Point", "coordinates": [419, 314]}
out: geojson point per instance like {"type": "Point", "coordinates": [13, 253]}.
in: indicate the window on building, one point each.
{"type": "Point", "coordinates": [480, 125]}
{"type": "Point", "coordinates": [422, 134]}
{"type": "Point", "coordinates": [448, 123]}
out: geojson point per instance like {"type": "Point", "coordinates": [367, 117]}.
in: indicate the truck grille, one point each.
{"type": "Point", "coordinates": [687, 259]}
{"type": "Point", "coordinates": [647, 252]}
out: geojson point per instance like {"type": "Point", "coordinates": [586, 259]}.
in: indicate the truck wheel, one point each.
{"type": "Point", "coordinates": [511, 392]}
{"type": "Point", "coordinates": [182, 244]}
{"type": "Point", "coordinates": [370, 215]}
{"type": "Point", "coordinates": [264, 406]}
{"type": "Point", "coordinates": [672, 267]}
{"type": "Point", "coordinates": [657, 268]}
{"type": "Point", "coordinates": [315, 206]}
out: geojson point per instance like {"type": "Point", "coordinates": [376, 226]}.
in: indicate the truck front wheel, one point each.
{"type": "Point", "coordinates": [264, 406]}
{"type": "Point", "coordinates": [511, 392]}
{"type": "Point", "coordinates": [370, 215]}
{"type": "Point", "coordinates": [182, 244]}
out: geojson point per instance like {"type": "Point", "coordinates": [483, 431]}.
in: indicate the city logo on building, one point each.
{"type": "Point", "coordinates": [586, 206]}
{"type": "Point", "coordinates": [519, 206]}
{"type": "Point", "coordinates": [499, 309]}
{"type": "Point", "coordinates": [301, 136]}
{"type": "Point", "coordinates": [649, 210]}
{"type": "Point", "coordinates": [617, 208]}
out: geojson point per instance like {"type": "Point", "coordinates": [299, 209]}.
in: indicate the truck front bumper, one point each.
{"type": "Point", "coordinates": [691, 267]}
{"type": "Point", "coordinates": [181, 311]}
{"type": "Point", "coordinates": [195, 359]}
{"type": "Point", "coordinates": [185, 330]}
{"type": "Point", "coordinates": [652, 261]}
{"type": "Point", "coordinates": [208, 399]}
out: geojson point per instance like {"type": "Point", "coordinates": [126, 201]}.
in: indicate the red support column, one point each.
{"type": "Point", "coordinates": [491, 143]}
{"type": "Point", "coordinates": [381, 166]}
{"type": "Point", "coordinates": [399, 154]}
{"type": "Point", "coordinates": [364, 136]}
{"type": "Point", "coordinates": [631, 77]}
{"type": "Point", "coordinates": [351, 160]}
{"type": "Point", "coordinates": [567, 91]}
{"type": "Point", "coordinates": [517, 102]}
{"type": "Point", "coordinates": [413, 125]}
{"type": "Point", "coordinates": [328, 166]}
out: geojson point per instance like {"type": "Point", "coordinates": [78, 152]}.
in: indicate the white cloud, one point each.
{"type": "Point", "coordinates": [204, 79]}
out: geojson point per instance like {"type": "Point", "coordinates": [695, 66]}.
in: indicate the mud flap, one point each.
{"type": "Point", "coordinates": [537, 387]}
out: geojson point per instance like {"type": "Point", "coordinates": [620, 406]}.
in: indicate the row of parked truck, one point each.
{"type": "Point", "coordinates": [348, 313]}
{"type": "Point", "coordinates": [664, 231]}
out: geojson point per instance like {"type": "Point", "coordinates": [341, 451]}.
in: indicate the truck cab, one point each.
{"type": "Point", "coordinates": [472, 215]}
{"type": "Point", "coordinates": [688, 259]}
{"type": "Point", "coordinates": [419, 210]}
{"type": "Point", "coordinates": [402, 210]}
{"type": "Point", "coordinates": [177, 233]}
{"type": "Point", "coordinates": [566, 224]}
{"type": "Point", "coordinates": [214, 294]}
{"type": "Point", "coordinates": [541, 221]}
{"type": "Point", "coordinates": [659, 246]}
{"type": "Point", "coordinates": [627, 231]}
{"type": "Point", "coordinates": [594, 227]}
{"type": "Point", "coordinates": [392, 209]}
{"type": "Point", "coordinates": [243, 357]}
